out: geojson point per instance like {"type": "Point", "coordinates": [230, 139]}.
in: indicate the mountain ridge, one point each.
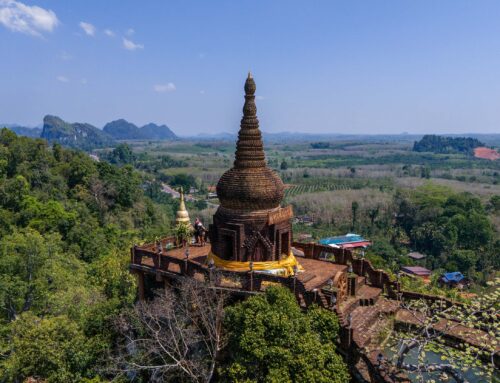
{"type": "Point", "coordinates": [76, 135]}
{"type": "Point", "coordinates": [122, 129]}
{"type": "Point", "coordinates": [87, 137]}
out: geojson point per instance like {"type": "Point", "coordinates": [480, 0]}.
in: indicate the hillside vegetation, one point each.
{"type": "Point", "coordinates": [66, 225]}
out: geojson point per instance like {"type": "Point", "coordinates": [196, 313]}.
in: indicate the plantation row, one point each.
{"type": "Point", "coordinates": [317, 187]}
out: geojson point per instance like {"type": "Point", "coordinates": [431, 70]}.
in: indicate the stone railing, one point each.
{"type": "Point", "coordinates": [360, 266]}
{"type": "Point", "coordinates": [245, 282]}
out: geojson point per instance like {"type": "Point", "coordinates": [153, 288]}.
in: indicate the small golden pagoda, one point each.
{"type": "Point", "coordinates": [182, 215]}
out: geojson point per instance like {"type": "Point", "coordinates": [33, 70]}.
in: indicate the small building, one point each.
{"type": "Point", "coordinates": [417, 271]}
{"type": "Point", "coordinates": [348, 241]}
{"type": "Point", "coordinates": [453, 279]}
{"type": "Point", "coordinates": [416, 256]}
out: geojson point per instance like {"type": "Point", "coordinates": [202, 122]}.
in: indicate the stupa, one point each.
{"type": "Point", "coordinates": [250, 228]}
{"type": "Point", "coordinates": [182, 215]}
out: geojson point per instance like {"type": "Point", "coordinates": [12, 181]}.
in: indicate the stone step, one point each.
{"type": "Point", "coordinates": [360, 281]}
{"type": "Point", "coordinates": [323, 300]}
{"type": "Point", "coordinates": [368, 295]}
{"type": "Point", "coordinates": [349, 305]}
{"type": "Point", "coordinates": [362, 319]}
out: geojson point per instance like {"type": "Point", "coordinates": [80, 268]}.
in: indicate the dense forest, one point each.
{"type": "Point", "coordinates": [447, 145]}
{"type": "Point", "coordinates": [454, 229]}
{"type": "Point", "coordinates": [66, 225]}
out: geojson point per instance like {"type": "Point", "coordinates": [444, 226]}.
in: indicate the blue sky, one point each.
{"type": "Point", "coordinates": [320, 66]}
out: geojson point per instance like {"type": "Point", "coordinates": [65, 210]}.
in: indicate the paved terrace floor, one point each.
{"type": "Point", "coordinates": [316, 272]}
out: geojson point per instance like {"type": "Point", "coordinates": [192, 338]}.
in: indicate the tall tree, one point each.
{"type": "Point", "coordinates": [272, 340]}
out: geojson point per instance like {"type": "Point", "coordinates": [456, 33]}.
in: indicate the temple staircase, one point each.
{"type": "Point", "coordinates": [364, 310]}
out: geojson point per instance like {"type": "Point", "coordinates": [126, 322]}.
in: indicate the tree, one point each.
{"type": "Point", "coordinates": [432, 238]}
{"type": "Point", "coordinates": [52, 349]}
{"type": "Point", "coordinates": [186, 181]}
{"type": "Point", "coordinates": [183, 232]}
{"type": "Point", "coordinates": [462, 260]}
{"type": "Point", "coordinates": [474, 230]}
{"type": "Point", "coordinates": [495, 203]}
{"type": "Point", "coordinates": [373, 214]}
{"type": "Point", "coordinates": [284, 165]}
{"type": "Point", "coordinates": [272, 340]}
{"type": "Point", "coordinates": [174, 338]}
{"type": "Point", "coordinates": [425, 172]}
{"type": "Point", "coordinates": [354, 208]}
{"type": "Point", "coordinates": [122, 154]}
{"type": "Point", "coordinates": [22, 256]}
{"type": "Point", "coordinates": [81, 168]}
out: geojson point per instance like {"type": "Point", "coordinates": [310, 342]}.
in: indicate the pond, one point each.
{"type": "Point", "coordinates": [475, 374]}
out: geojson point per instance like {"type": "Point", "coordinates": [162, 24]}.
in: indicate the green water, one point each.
{"type": "Point", "coordinates": [476, 374]}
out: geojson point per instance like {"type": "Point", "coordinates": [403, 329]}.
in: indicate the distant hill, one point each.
{"type": "Point", "coordinates": [158, 132]}
{"type": "Point", "coordinates": [124, 130]}
{"type": "Point", "coordinates": [23, 130]}
{"type": "Point", "coordinates": [76, 135]}
{"type": "Point", "coordinates": [446, 145]}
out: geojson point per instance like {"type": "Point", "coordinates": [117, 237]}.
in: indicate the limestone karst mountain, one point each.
{"type": "Point", "coordinates": [87, 137]}
{"type": "Point", "coordinates": [76, 135]}
{"type": "Point", "coordinates": [123, 130]}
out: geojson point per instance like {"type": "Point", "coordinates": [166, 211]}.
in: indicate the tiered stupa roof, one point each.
{"type": "Point", "coordinates": [250, 184]}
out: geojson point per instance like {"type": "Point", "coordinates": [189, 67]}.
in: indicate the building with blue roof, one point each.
{"type": "Point", "coordinates": [348, 241]}
{"type": "Point", "coordinates": [453, 279]}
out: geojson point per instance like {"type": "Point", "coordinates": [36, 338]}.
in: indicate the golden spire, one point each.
{"type": "Point", "coordinates": [182, 215]}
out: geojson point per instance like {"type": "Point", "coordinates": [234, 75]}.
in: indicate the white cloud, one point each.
{"type": "Point", "coordinates": [83, 81]}
{"type": "Point", "coordinates": [130, 32]}
{"type": "Point", "coordinates": [130, 45]}
{"type": "Point", "coordinates": [162, 88]}
{"type": "Point", "coordinates": [29, 19]}
{"type": "Point", "coordinates": [259, 97]}
{"type": "Point", "coordinates": [62, 79]}
{"type": "Point", "coordinates": [65, 56]}
{"type": "Point", "coordinates": [109, 32]}
{"type": "Point", "coordinates": [88, 28]}
{"type": "Point", "coordinates": [202, 91]}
